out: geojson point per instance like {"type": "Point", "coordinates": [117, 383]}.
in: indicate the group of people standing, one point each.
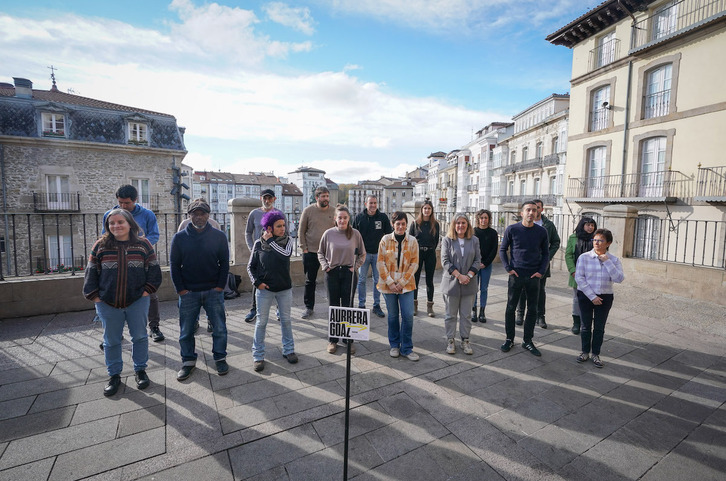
{"type": "Point", "coordinates": [123, 275]}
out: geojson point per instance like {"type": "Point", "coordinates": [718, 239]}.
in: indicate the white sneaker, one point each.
{"type": "Point", "coordinates": [451, 347]}
{"type": "Point", "coordinates": [411, 356]}
{"type": "Point", "coordinates": [395, 352]}
{"type": "Point", "coordinates": [467, 347]}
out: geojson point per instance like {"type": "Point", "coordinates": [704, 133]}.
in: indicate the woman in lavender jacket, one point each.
{"type": "Point", "coordinates": [595, 273]}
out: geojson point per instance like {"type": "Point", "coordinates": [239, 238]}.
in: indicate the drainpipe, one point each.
{"type": "Point", "coordinates": [625, 126]}
{"type": "Point", "coordinates": [627, 105]}
{"type": "Point", "coordinates": [5, 210]}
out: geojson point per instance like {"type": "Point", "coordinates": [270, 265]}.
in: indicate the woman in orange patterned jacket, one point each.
{"type": "Point", "coordinates": [397, 265]}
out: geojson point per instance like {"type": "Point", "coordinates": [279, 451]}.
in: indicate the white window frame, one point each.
{"type": "Point", "coordinates": [54, 124]}
{"type": "Point", "coordinates": [606, 49]}
{"type": "Point", "coordinates": [599, 115]}
{"type": "Point", "coordinates": [53, 260]}
{"type": "Point", "coordinates": [58, 194]}
{"type": "Point", "coordinates": [138, 133]}
{"type": "Point", "coordinates": [658, 91]}
{"type": "Point", "coordinates": [143, 188]}
{"type": "Point", "coordinates": [596, 168]}
{"type": "Point", "coordinates": [652, 166]}
{"type": "Point", "coordinates": [665, 20]}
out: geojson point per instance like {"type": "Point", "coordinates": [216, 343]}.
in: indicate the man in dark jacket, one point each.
{"type": "Point", "coordinates": [199, 262]}
{"type": "Point", "coordinates": [372, 225]}
{"type": "Point", "coordinates": [554, 245]}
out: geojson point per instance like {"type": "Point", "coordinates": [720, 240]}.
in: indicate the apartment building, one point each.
{"type": "Point", "coordinates": [646, 123]}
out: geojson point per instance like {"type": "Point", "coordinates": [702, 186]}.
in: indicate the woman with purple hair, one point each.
{"type": "Point", "coordinates": [269, 271]}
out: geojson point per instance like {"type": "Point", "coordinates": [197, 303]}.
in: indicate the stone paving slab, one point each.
{"type": "Point", "coordinates": [657, 411]}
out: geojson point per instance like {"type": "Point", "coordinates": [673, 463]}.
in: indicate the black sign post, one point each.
{"type": "Point", "coordinates": [352, 324]}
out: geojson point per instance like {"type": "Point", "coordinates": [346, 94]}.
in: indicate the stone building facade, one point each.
{"type": "Point", "coordinates": [63, 157]}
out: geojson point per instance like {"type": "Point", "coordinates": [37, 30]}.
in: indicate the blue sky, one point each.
{"type": "Point", "coordinates": [358, 88]}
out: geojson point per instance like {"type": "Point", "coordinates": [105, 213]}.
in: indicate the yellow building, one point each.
{"type": "Point", "coordinates": [647, 124]}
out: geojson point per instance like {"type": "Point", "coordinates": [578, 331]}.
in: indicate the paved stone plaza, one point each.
{"type": "Point", "coordinates": [655, 412]}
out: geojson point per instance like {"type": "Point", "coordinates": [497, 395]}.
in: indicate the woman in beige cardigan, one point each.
{"type": "Point", "coordinates": [397, 264]}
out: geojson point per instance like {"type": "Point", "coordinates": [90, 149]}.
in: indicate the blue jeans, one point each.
{"type": "Point", "coordinates": [136, 315]}
{"type": "Point", "coordinates": [484, 275]}
{"type": "Point", "coordinates": [372, 261]}
{"type": "Point", "coordinates": [400, 334]}
{"type": "Point", "coordinates": [264, 302]}
{"type": "Point", "coordinates": [189, 306]}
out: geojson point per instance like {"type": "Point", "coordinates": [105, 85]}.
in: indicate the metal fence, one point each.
{"type": "Point", "coordinates": [692, 242]}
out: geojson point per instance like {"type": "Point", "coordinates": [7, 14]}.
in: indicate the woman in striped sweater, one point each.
{"type": "Point", "coordinates": [122, 271]}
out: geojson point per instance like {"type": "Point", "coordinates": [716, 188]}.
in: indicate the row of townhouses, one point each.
{"type": "Point", "coordinates": [642, 129]}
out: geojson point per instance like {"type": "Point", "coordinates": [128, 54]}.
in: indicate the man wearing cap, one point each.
{"type": "Point", "coordinates": [253, 232]}
{"type": "Point", "coordinates": [199, 262]}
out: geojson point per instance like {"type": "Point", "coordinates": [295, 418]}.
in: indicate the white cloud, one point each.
{"type": "Point", "coordinates": [298, 18]}
{"type": "Point", "coordinates": [458, 16]}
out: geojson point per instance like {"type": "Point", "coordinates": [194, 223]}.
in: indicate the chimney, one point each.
{"type": "Point", "coordinates": [23, 88]}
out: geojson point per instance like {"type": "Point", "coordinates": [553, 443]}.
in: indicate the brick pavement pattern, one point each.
{"type": "Point", "coordinates": [655, 412]}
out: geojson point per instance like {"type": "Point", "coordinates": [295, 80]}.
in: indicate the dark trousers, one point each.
{"type": "Point", "coordinates": [341, 283]}
{"type": "Point", "coordinates": [517, 287]}
{"type": "Point", "coordinates": [311, 264]}
{"type": "Point", "coordinates": [153, 311]}
{"type": "Point", "coordinates": [541, 299]}
{"type": "Point", "coordinates": [426, 259]}
{"type": "Point", "coordinates": [589, 312]}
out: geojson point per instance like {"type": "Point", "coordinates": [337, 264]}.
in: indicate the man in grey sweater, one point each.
{"type": "Point", "coordinates": [315, 220]}
{"type": "Point", "coordinates": [253, 231]}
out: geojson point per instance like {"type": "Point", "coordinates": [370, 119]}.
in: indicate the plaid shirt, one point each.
{"type": "Point", "coordinates": [594, 277]}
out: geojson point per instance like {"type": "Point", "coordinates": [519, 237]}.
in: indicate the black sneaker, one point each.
{"type": "Point", "coordinates": [251, 316]}
{"type": "Point", "coordinates": [156, 334]}
{"type": "Point", "coordinates": [507, 345]}
{"type": "Point", "coordinates": [531, 348]}
{"type": "Point", "coordinates": [184, 373]}
{"type": "Point", "coordinates": [222, 367]}
{"type": "Point", "coordinates": [541, 322]}
{"type": "Point", "coordinates": [378, 311]}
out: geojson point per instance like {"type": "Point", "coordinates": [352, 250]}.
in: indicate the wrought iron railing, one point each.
{"type": "Point", "coordinates": [604, 54]}
{"type": "Point", "coordinates": [656, 104]}
{"type": "Point", "coordinates": [662, 183]}
{"type": "Point", "coordinates": [711, 183]}
{"type": "Point", "coordinates": [677, 18]}
{"type": "Point", "coordinates": [57, 201]}
{"type": "Point", "coordinates": [693, 242]}
{"type": "Point", "coordinates": [599, 119]}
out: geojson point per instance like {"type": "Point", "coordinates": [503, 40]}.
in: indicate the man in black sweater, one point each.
{"type": "Point", "coordinates": [372, 225]}
{"type": "Point", "coordinates": [199, 262]}
{"type": "Point", "coordinates": [526, 264]}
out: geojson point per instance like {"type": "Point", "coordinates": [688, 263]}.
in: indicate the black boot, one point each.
{"type": "Point", "coordinates": [473, 314]}
{"type": "Point", "coordinates": [482, 317]}
{"type": "Point", "coordinates": [575, 324]}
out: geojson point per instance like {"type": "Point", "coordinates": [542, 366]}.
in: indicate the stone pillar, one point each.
{"type": "Point", "coordinates": [620, 220]}
{"type": "Point", "coordinates": [239, 210]}
{"type": "Point", "coordinates": [411, 209]}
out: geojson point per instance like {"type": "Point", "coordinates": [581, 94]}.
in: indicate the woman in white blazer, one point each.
{"type": "Point", "coordinates": [460, 258]}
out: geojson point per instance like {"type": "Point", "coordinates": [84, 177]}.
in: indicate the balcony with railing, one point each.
{"type": "Point", "coordinates": [599, 119]}
{"type": "Point", "coordinates": [472, 188]}
{"type": "Point", "coordinates": [534, 164]}
{"type": "Point", "coordinates": [604, 54]}
{"type": "Point", "coordinates": [656, 104]}
{"type": "Point", "coordinates": [680, 17]}
{"type": "Point", "coordinates": [711, 184]}
{"type": "Point", "coordinates": [472, 167]}
{"type": "Point", "coordinates": [150, 202]}
{"type": "Point", "coordinates": [56, 202]}
{"type": "Point", "coordinates": [661, 186]}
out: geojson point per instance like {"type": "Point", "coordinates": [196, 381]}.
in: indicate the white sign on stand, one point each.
{"type": "Point", "coordinates": [349, 323]}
